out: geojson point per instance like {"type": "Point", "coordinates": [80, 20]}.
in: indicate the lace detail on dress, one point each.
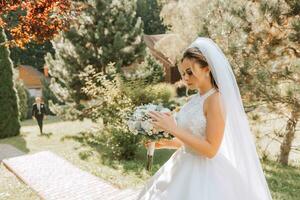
{"type": "Point", "coordinates": [191, 115]}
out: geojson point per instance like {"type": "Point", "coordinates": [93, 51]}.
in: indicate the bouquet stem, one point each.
{"type": "Point", "coordinates": [150, 153]}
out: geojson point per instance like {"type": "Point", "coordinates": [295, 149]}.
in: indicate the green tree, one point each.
{"type": "Point", "coordinates": [261, 40]}
{"type": "Point", "coordinates": [273, 35]}
{"type": "Point", "coordinates": [9, 115]}
{"type": "Point", "coordinates": [23, 99]}
{"type": "Point", "coordinates": [106, 31]}
{"type": "Point", "coordinates": [32, 54]}
{"type": "Point", "coordinates": [111, 105]}
{"type": "Point", "coordinates": [48, 95]}
{"type": "Point", "coordinates": [149, 11]}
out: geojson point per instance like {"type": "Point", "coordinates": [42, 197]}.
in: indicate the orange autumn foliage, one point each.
{"type": "Point", "coordinates": [41, 21]}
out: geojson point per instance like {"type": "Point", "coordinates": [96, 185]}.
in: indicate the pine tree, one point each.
{"type": "Point", "coordinates": [149, 11]}
{"type": "Point", "coordinates": [261, 40]}
{"type": "Point", "coordinates": [32, 54]}
{"type": "Point", "coordinates": [9, 115]}
{"type": "Point", "coordinates": [272, 60]}
{"type": "Point", "coordinates": [106, 31]}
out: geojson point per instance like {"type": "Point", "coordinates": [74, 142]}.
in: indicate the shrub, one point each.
{"type": "Point", "coordinates": [30, 102]}
{"type": "Point", "coordinates": [140, 93]}
{"type": "Point", "coordinates": [23, 99]}
{"type": "Point", "coordinates": [148, 72]}
{"type": "Point", "coordinates": [161, 93]}
{"type": "Point", "coordinates": [111, 104]}
{"type": "Point", "coordinates": [119, 143]}
{"type": "Point", "coordinates": [48, 96]}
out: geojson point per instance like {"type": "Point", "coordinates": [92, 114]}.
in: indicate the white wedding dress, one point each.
{"type": "Point", "coordinates": [189, 176]}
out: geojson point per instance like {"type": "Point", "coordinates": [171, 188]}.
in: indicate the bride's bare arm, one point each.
{"type": "Point", "coordinates": [214, 130]}
{"type": "Point", "coordinates": [174, 143]}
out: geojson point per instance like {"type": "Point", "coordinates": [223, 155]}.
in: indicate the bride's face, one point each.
{"type": "Point", "coordinates": [192, 74]}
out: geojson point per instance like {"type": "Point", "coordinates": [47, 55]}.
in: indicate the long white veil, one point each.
{"type": "Point", "coordinates": [238, 143]}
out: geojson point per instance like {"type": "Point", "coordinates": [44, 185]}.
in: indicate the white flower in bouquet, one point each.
{"type": "Point", "coordinates": [134, 126]}
{"type": "Point", "coordinates": [147, 127]}
{"type": "Point", "coordinates": [166, 134]}
{"type": "Point", "coordinates": [140, 122]}
{"type": "Point", "coordinates": [165, 110]}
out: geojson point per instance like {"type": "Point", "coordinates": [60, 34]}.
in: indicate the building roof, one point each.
{"type": "Point", "coordinates": [165, 47]}
{"type": "Point", "coordinates": [30, 76]}
{"type": "Point", "coordinates": [150, 41]}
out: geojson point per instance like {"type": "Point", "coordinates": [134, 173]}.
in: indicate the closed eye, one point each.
{"type": "Point", "coordinates": [189, 72]}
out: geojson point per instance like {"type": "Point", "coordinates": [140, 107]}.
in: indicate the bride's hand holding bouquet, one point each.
{"type": "Point", "coordinates": [153, 123]}
{"type": "Point", "coordinates": [163, 121]}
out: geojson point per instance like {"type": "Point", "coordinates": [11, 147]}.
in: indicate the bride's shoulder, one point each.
{"type": "Point", "coordinates": [213, 101]}
{"type": "Point", "coordinates": [213, 98]}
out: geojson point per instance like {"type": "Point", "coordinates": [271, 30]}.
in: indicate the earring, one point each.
{"type": "Point", "coordinates": [207, 75]}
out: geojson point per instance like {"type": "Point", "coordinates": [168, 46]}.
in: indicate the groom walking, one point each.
{"type": "Point", "coordinates": [38, 112]}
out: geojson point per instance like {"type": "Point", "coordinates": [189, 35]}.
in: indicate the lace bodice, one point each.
{"type": "Point", "coordinates": [191, 115]}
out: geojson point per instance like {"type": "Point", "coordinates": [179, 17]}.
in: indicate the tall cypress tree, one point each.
{"type": "Point", "coordinates": [9, 112]}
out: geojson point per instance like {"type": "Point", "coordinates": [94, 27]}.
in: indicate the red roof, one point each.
{"type": "Point", "coordinates": [30, 76]}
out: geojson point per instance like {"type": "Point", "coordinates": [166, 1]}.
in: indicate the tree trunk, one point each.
{"type": "Point", "coordinates": [289, 136]}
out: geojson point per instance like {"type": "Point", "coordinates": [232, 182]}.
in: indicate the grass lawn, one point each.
{"type": "Point", "coordinates": [283, 181]}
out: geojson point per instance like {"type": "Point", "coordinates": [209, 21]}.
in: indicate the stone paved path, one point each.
{"type": "Point", "coordinates": [8, 151]}
{"type": "Point", "coordinates": [53, 178]}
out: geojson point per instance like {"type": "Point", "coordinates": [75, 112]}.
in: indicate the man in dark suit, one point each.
{"type": "Point", "coordinates": [39, 112]}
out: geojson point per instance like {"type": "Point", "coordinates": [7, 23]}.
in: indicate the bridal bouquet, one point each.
{"type": "Point", "coordinates": [140, 124]}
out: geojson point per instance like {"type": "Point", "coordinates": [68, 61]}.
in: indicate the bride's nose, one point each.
{"type": "Point", "coordinates": [186, 78]}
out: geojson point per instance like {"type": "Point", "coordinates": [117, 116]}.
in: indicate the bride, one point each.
{"type": "Point", "coordinates": [216, 158]}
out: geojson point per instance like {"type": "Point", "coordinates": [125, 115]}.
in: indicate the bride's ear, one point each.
{"type": "Point", "coordinates": [206, 69]}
